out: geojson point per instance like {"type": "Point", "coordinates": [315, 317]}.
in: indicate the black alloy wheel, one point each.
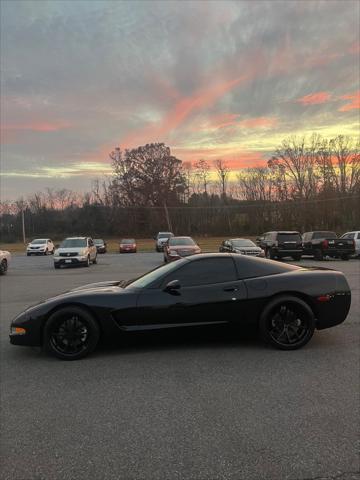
{"type": "Point", "coordinates": [71, 333]}
{"type": "Point", "coordinates": [287, 323]}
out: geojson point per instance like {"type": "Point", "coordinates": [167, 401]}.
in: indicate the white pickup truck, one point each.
{"type": "Point", "coordinates": [5, 259]}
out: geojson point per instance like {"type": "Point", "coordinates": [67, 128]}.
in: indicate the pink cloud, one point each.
{"type": "Point", "coordinates": [354, 103]}
{"type": "Point", "coordinates": [314, 98]}
{"type": "Point", "coordinates": [37, 126]}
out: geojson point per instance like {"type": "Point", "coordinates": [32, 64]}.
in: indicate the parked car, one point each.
{"type": "Point", "coordinates": [178, 247]}
{"type": "Point", "coordinates": [281, 244]}
{"type": "Point", "coordinates": [209, 289]}
{"type": "Point", "coordinates": [322, 244]}
{"type": "Point", "coordinates": [128, 245]}
{"type": "Point", "coordinates": [241, 245]}
{"type": "Point", "coordinates": [75, 251]}
{"type": "Point", "coordinates": [161, 239]}
{"type": "Point", "coordinates": [356, 237]}
{"type": "Point", "coordinates": [100, 244]}
{"type": "Point", "coordinates": [40, 246]}
{"type": "Point", "coordinates": [5, 259]}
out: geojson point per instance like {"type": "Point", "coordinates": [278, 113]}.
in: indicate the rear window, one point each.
{"type": "Point", "coordinates": [317, 235]}
{"type": "Point", "coordinates": [258, 267]}
{"type": "Point", "coordinates": [289, 237]}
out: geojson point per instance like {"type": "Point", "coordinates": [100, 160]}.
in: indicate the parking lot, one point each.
{"type": "Point", "coordinates": [201, 405]}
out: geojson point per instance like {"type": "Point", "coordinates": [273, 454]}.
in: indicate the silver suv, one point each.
{"type": "Point", "coordinates": [161, 239]}
{"type": "Point", "coordinates": [75, 251]}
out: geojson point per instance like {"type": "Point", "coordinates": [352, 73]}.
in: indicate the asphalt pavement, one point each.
{"type": "Point", "coordinates": [197, 405]}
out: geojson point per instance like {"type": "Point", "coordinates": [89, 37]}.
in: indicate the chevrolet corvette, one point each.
{"type": "Point", "coordinates": [286, 302]}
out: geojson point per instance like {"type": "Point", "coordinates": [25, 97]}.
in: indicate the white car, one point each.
{"type": "Point", "coordinates": [355, 235]}
{"type": "Point", "coordinates": [40, 246]}
{"type": "Point", "coordinates": [5, 259]}
{"type": "Point", "coordinates": [76, 251]}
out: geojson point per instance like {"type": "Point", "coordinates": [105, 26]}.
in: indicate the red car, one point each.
{"type": "Point", "coordinates": [127, 245]}
{"type": "Point", "coordinates": [178, 247]}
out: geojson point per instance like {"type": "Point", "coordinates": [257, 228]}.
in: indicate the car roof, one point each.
{"type": "Point", "coordinates": [231, 239]}
{"type": "Point", "coordinates": [76, 238]}
{"type": "Point", "coordinates": [182, 236]}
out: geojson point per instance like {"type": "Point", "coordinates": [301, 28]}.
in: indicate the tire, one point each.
{"type": "Point", "coordinates": [344, 257]}
{"type": "Point", "coordinates": [28, 254]}
{"type": "Point", "coordinates": [87, 263]}
{"type": "Point", "coordinates": [318, 255]}
{"type": "Point", "coordinates": [71, 333]}
{"type": "Point", "coordinates": [269, 254]}
{"type": "Point", "coordinates": [296, 257]}
{"type": "Point", "coordinates": [287, 323]}
{"type": "Point", "coordinates": [3, 267]}
{"type": "Point", "coordinates": [56, 266]}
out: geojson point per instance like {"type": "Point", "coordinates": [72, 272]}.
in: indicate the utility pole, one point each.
{"type": "Point", "coordinates": [167, 218]}
{"type": "Point", "coordinates": [23, 225]}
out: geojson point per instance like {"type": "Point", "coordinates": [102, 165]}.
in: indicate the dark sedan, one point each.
{"type": "Point", "coordinates": [286, 302]}
{"type": "Point", "coordinates": [100, 245]}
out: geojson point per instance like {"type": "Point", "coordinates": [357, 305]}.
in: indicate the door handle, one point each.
{"type": "Point", "coordinates": [231, 289]}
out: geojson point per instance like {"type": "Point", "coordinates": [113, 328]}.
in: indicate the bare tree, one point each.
{"type": "Point", "coordinates": [202, 170]}
{"type": "Point", "coordinates": [223, 173]}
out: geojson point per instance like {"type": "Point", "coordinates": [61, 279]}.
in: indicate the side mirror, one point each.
{"type": "Point", "coordinates": [173, 287]}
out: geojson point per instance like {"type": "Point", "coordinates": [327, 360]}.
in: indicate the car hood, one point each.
{"type": "Point", "coordinates": [99, 285]}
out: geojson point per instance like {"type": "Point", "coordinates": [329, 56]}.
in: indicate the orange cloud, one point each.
{"type": "Point", "coordinates": [314, 98]}
{"type": "Point", "coordinates": [258, 122]}
{"type": "Point", "coordinates": [354, 104]}
{"type": "Point", "coordinates": [37, 127]}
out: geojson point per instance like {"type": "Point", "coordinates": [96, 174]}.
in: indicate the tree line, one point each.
{"type": "Point", "coordinates": [307, 183]}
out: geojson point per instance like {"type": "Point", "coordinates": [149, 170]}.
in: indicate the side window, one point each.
{"type": "Point", "coordinates": [350, 235]}
{"type": "Point", "coordinates": [358, 236]}
{"type": "Point", "coordinates": [204, 272]}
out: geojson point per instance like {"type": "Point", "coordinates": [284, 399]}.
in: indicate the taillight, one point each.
{"type": "Point", "coordinates": [325, 244]}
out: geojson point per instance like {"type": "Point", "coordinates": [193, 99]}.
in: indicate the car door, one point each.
{"type": "Point", "coordinates": [210, 292]}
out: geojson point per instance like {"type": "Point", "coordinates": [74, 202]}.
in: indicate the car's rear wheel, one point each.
{"type": "Point", "coordinates": [296, 257]}
{"type": "Point", "coordinates": [3, 267]}
{"type": "Point", "coordinates": [71, 333]}
{"type": "Point", "coordinates": [287, 323]}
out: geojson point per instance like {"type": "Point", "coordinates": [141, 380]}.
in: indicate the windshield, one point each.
{"type": "Point", "coordinates": [73, 242]}
{"type": "Point", "coordinates": [289, 237]}
{"type": "Point", "coordinates": [243, 243]}
{"type": "Point", "coordinates": [165, 235]}
{"type": "Point", "coordinates": [153, 275]}
{"type": "Point", "coordinates": [127, 241]}
{"type": "Point", "coordinates": [39, 241]}
{"type": "Point", "coordinates": [181, 241]}
{"type": "Point", "coordinates": [98, 241]}
{"type": "Point", "coordinates": [324, 235]}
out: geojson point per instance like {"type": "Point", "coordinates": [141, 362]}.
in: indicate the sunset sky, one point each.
{"type": "Point", "coordinates": [217, 79]}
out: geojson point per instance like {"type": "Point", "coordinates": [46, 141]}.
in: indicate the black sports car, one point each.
{"type": "Point", "coordinates": [287, 303]}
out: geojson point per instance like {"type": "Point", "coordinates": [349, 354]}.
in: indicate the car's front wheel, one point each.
{"type": "Point", "coordinates": [269, 254]}
{"type": "Point", "coordinates": [287, 323]}
{"type": "Point", "coordinates": [71, 333]}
